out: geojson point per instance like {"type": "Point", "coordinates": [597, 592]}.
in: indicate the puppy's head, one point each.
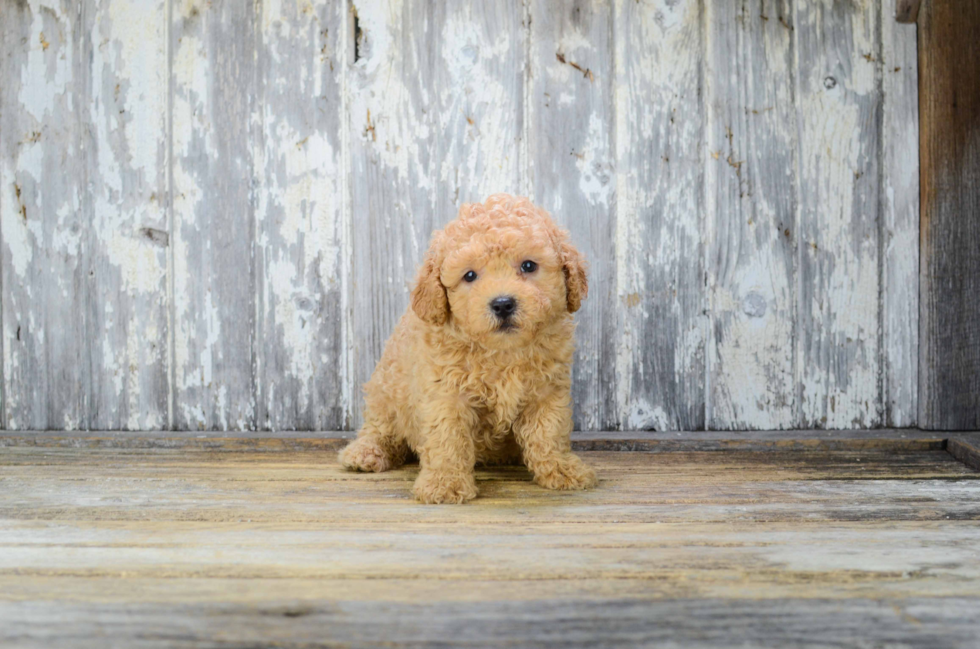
{"type": "Point", "coordinates": [500, 272]}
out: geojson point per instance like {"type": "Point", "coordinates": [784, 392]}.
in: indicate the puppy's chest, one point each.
{"type": "Point", "coordinates": [500, 394]}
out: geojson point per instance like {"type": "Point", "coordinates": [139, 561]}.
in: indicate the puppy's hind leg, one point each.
{"type": "Point", "coordinates": [374, 450]}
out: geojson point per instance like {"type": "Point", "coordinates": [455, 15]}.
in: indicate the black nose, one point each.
{"type": "Point", "coordinates": [503, 307]}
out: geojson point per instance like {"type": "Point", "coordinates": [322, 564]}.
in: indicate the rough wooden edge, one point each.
{"type": "Point", "coordinates": [897, 440]}
{"type": "Point", "coordinates": [907, 11]}
{"type": "Point", "coordinates": [966, 449]}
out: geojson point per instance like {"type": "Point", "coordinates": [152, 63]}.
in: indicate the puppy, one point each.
{"type": "Point", "coordinates": [478, 370]}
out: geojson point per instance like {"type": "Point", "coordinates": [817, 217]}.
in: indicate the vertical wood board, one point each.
{"type": "Point", "coordinates": [572, 174]}
{"type": "Point", "coordinates": [301, 354]}
{"type": "Point", "coordinates": [660, 378]}
{"type": "Point", "coordinates": [83, 186]}
{"type": "Point", "coordinates": [838, 281]}
{"type": "Point", "coordinates": [900, 219]}
{"type": "Point", "coordinates": [214, 287]}
{"type": "Point", "coordinates": [750, 229]}
{"type": "Point", "coordinates": [436, 121]}
{"type": "Point", "coordinates": [949, 108]}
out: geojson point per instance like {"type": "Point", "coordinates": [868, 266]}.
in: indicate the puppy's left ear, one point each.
{"type": "Point", "coordinates": [429, 300]}
{"type": "Point", "coordinates": [576, 280]}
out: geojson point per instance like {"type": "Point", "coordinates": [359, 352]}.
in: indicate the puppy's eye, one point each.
{"type": "Point", "coordinates": [528, 266]}
{"type": "Point", "coordinates": [470, 276]}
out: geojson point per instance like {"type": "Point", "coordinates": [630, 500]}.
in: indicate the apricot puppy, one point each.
{"type": "Point", "coordinates": [478, 370]}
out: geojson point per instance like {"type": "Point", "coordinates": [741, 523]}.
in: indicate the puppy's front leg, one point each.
{"type": "Point", "coordinates": [448, 455]}
{"type": "Point", "coordinates": [542, 431]}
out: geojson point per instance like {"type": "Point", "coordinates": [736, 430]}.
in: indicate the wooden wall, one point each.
{"type": "Point", "coordinates": [950, 281]}
{"type": "Point", "coordinates": [211, 211]}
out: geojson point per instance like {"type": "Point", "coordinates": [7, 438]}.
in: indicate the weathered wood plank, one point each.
{"type": "Point", "coordinates": [919, 622]}
{"type": "Point", "coordinates": [949, 111]}
{"type": "Point", "coordinates": [283, 594]}
{"type": "Point", "coordinates": [479, 61]}
{"type": "Point", "coordinates": [900, 220]}
{"type": "Point", "coordinates": [659, 273]}
{"type": "Point", "coordinates": [214, 90]}
{"type": "Point", "coordinates": [183, 547]}
{"type": "Point", "coordinates": [45, 276]}
{"type": "Point", "coordinates": [130, 314]}
{"type": "Point", "coordinates": [838, 97]}
{"type": "Point", "coordinates": [906, 11]}
{"type": "Point", "coordinates": [966, 449]}
{"type": "Point", "coordinates": [750, 230]}
{"type": "Point", "coordinates": [571, 173]}
{"type": "Point", "coordinates": [300, 246]}
{"type": "Point", "coordinates": [308, 487]}
{"type": "Point", "coordinates": [84, 226]}
{"type": "Point", "coordinates": [436, 121]}
{"type": "Point", "coordinates": [702, 555]}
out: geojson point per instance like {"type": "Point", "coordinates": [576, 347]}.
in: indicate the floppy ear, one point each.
{"type": "Point", "coordinates": [429, 300]}
{"type": "Point", "coordinates": [576, 281]}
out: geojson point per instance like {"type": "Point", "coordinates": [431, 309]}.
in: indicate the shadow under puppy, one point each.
{"type": "Point", "coordinates": [478, 370]}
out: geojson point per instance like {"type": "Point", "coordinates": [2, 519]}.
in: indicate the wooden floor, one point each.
{"type": "Point", "coordinates": [267, 542]}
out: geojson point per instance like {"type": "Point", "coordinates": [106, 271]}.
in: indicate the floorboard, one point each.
{"type": "Point", "coordinates": [255, 542]}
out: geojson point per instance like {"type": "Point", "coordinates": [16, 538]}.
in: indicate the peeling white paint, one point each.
{"type": "Point", "coordinates": [52, 63]}
{"type": "Point", "coordinates": [389, 116]}
{"type": "Point", "coordinates": [138, 262]}
{"type": "Point", "coordinates": [900, 285]}
{"type": "Point", "coordinates": [471, 102]}
{"type": "Point", "coordinates": [749, 226]}
{"type": "Point", "coordinates": [454, 138]}
{"type": "Point", "coordinates": [838, 357]}
{"type": "Point", "coordinates": [138, 42]}
{"type": "Point", "coordinates": [19, 235]}
{"type": "Point", "coordinates": [596, 181]}
{"type": "Point", "coordinates": [642, 416]}
{"type": "Point", "coordinates": [657, 212]}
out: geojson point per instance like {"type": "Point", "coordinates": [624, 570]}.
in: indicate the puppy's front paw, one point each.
{"type": "Point", "coordinates": [567, 473]}
{"type": "Point", "coordinates": [433, 487]}
{"type": "Point", "coordinates": [364, 455]}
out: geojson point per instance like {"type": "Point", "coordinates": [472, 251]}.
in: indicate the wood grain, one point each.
{"type": "Point", "coordinates": [838, 97]}
{"type": "Point", "coordinates": [750, 230]}
{"type": "Point", "coordinates": [213, 266]}
{"type": "Point", "coordinates": [211, 213]}
{"type": "Point", "coordinates": [949, 109]}
{"type": "Point", "coordinates": [966, 449]}
{"type": "Point", "coordinates": [906, 11]}
{"type": "Point", "coordinates": [302, 251]}
{"type": "Point", "coordinates": [436, 121]}
{"type": "Point", "coordinates": [571, 173]}
{"type": "Point", "coordinates": [190, 546]}
{"type": "Point", "coordinates": [614, 621]}
{"type": "Point", "coordinates": [660, 362]}
{"type": "Point", "coordinates": [83, 167]}
{"type": "Point", "coordinates": [900, 221]}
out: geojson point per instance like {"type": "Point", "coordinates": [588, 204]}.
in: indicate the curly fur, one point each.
{"type": "Point", "coordinates": [457, 390]}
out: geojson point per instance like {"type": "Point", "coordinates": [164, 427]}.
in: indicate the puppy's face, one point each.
{"type": "Point", "coordinates": [500, 273]}
{"type": "Point", "coordinates": [503, 286]}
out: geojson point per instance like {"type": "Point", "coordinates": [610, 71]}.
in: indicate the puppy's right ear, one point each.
{"type": "Point", "coordinates": [576, 276]}
{"type": "Point", "coordinates": [429, 300]}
